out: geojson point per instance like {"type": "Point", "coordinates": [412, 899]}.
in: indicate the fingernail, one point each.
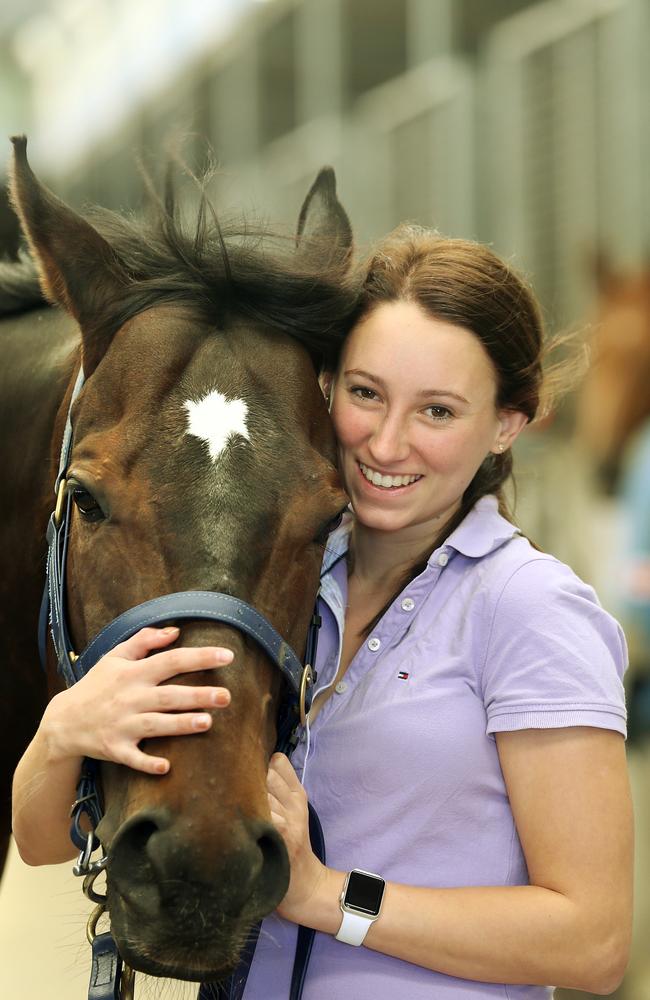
{"type": "Point", "coordinates": [162, 766]}
{"type": "Point", "coordinates": [220, 698]}
{"type": "Point", "coordinates": [169, 629]}
{"type": "Point", "coordinates": [201, 721]}
{"type": "Point", "coordinates": [224, 655]}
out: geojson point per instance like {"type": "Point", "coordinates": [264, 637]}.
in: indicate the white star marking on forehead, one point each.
{"type": "Point", "coordinates": [216, 419]}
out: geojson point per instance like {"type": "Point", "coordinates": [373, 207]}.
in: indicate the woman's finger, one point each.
{"type": "Point", "coordinates": [185, 659]}
{"type": "Point", "coordinates": [280, 823]}
{"type": "Point", "coordinates": [155, 724]}
{"type": "Point", "coordinates": [177, 697]}
{"type": "Point", "coordinates": [282, 779]}
{"type": "Point", "coordinates": [138, 760]}
{"type": "Point", "coordinates": [137, 647]}
{"type": "Point", "coordinates": [281, 765]}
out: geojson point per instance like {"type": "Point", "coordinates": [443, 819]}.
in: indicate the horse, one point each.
{"type": "Point", "coordinates": [203, 459]}
{"type": "Point", "coordinates": [614, 398]}
{"type": "Point", "coordinates": [612, 431]}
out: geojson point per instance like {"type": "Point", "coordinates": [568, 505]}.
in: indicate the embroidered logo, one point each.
{"type": "Point", "coordinates": [403, 675]}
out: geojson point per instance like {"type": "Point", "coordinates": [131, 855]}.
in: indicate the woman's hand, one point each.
{"type": "Point", "coordinates": [123, 700]}
{"type": "Point", "coordinates": [289, 812]}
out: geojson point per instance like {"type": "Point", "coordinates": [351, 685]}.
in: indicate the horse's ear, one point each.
{"type": "Point", "coordinates": [76, 265]}
{"type": "Point", "coordinates": [323, 226]}
{"type": "Point", "coordinates": [600, 267]}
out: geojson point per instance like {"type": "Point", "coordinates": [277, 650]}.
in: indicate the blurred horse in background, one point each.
{"type": "Point", "coordinates": [614, 400]}
{"type": "Point", "coordinates": [612, 430]}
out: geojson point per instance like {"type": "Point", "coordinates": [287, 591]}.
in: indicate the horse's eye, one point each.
{"type": "Point", "coordinates": [327, 529]}
{"type": "Point", "coordinates": [87, 505]}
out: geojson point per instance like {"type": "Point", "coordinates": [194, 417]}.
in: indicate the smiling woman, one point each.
{"type": "Point", "coordinates": [464, 749]}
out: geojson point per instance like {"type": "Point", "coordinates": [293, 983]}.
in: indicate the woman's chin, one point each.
{"type": "Point", "coordinates": [379, 520]}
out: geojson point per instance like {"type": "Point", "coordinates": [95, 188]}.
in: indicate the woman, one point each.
{"type": "Point", "coordinates": [466, 742]}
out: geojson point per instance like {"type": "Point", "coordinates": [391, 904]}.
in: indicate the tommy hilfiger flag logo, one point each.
{"type": "Point", "coordinates": [403, 675]}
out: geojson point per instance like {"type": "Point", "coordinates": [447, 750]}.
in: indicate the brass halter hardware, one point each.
{"type": "Point", "coordinates": [305, 680]}
{"type": "Point", "coordinates": [60, 500]}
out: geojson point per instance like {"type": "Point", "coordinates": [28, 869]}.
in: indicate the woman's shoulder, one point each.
{"type": "Point", "coordinates": [495, 550]}
{"type": "Point", "coordinates": [523, 588]}
{"type": "Point", "coordinates": [551, 655]}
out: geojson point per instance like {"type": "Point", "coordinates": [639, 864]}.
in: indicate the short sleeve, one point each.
{"type": "Point", "coordinates": [554, 657]}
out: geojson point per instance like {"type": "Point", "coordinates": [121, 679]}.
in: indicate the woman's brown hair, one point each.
{"type": "Point", "coordinates": [465, 283]}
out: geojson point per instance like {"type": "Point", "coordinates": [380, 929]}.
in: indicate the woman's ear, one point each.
{"type": "Point", "coordinates": [326, 380]}
{"type": "Point", "coordinates": [511, 424]}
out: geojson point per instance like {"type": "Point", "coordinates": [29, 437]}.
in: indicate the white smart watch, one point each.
{"type": "Point", "coordinates": [360, 904]}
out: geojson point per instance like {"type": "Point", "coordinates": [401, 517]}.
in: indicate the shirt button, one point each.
{"type": "Point", "coordinates": [374, 643]}
{"type": "Point", "coordinates": [443, 559]}
{"type": "Point", "coordinates": [408, 604]}
{"type": "Point", "coordinates": [341, 687]}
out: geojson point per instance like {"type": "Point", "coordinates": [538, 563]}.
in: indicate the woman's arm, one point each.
{"type": "Point", "coordinates": [570, 927]}
{"type": "Point", "coordinates": [121, 701]}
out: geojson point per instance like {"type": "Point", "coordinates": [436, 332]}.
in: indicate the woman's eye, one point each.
{"type": "Point", "coordinates": [440, 413]}
{"type": "Point", "coordinates": [363, 392]}
{"type": "Point", "coordinates": [87, 505]}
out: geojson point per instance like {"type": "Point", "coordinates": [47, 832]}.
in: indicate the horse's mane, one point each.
{"type": "Point", "coordinates": [20, 288]}
{"type": "Point", "coordinates": [222, 270]}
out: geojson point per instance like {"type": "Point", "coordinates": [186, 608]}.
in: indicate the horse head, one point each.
{"type": "Point", "coordinates": [614, 398]}
{"type": "Point", "coordinates": [203, 458]}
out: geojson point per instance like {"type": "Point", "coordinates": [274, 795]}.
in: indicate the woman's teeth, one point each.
{"type": "Point", "coordinates": [377, 479]}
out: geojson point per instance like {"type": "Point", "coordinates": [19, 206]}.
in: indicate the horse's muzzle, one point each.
{"type": "Point", "coordinates": [182, 908]}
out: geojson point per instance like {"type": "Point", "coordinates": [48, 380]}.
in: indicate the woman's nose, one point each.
{"type": "Point", "coordinates": [389, 442]}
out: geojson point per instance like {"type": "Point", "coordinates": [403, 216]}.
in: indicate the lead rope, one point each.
{"type": "Point", "coordinates": [110, 977]}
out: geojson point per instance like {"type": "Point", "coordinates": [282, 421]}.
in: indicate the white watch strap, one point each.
{"type": "Point", "coordinates": [354, 928]}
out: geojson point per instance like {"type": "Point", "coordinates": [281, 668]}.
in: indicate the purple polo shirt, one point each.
{"type": "Point", "coordinates": [401, 762]}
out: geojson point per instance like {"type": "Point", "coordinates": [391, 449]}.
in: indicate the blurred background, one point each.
{"type": "Point", "coordinates": [523, 124]}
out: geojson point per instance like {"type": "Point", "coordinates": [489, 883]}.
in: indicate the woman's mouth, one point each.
{"type": "Point", "coordinates": [385, 482]}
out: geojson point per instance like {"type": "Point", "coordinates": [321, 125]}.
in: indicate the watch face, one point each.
{"type": "Point", "coordinates": [364, 892]}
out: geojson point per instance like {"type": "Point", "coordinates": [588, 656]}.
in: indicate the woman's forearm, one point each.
{"type": "Point", "coordinates": [43, 791]}
{"type": "Point", "coordinates": [504, 934]}
{"type": "Point", "coordinates": [501, 934]}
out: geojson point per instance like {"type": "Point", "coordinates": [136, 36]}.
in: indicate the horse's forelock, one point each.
{"type": "Point", "coordinates": [228, 270]}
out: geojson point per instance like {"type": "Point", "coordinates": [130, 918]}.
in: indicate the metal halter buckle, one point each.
{"type": "Point", "coordinates": [306, 679]}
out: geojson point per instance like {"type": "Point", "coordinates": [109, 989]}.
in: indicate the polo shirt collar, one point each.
{"type": "Point", "coordinates": [337, 544]}
{"type": "Point", "coordinates": [483, 530]}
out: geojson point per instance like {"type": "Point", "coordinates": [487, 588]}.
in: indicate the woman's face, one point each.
{"type": "Point", "coordinates": [413, 405]}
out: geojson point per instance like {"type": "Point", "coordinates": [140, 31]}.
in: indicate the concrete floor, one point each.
{"type": "Point", "coordinates": [43, 947]}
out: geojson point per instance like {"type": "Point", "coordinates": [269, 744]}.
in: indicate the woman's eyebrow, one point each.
{"type": "Point", "coordinates": [362, 374]}
{"type": "Point", "coordinates": [443, 392]}
{"type": "Point", "coordinates": [423, 392]}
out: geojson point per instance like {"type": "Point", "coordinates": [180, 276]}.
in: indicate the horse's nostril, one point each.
{"type": "Point", "coordinates": [130, 853]}
{"type": "Point", "coordinates": [272, 879]}
{"type": "Point", "coordinates": [140, 834]}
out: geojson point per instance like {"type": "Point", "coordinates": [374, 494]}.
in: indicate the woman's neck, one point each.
{"type": "Point", "coordinates": [380, 559]}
